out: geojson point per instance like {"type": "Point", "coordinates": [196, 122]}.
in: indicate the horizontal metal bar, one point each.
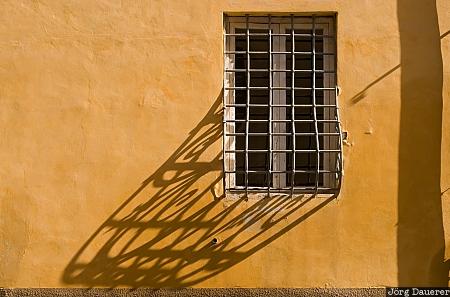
{"type": "Point", "coordinates": [303, 53]}
{"type": "Point", "coordinates": [244, 70]}
{"type": "Point", "coordinates": [277, 53]}
{"type": "Point", "coordinates": [278, 34]}
{"type": "Point", "coordinates": [256, 188]}
{"type": "Point", "coordinates": [304, 35]}
{"type": "Point", "coordinates": [244, 52]}
{"type": "Point", "coordinates": [304, 71]}
{"type": "Point", "coordinates": [282, 70]}
{"type": "Point", "coordinates": [282, 105]}
{"type": "Point", "coordinates": [245, 34]}
{"type": "Point", "coordinates": [282, 134]}
{"type": "Point", "coordinates": [279, 171]}
{"type": "Point", "coordinates": [282, 151]}
{"type": "Point", "coordinates": [281, 16]}
{"type": "Point", "coordinates": [300, 88]}
{"type": "Point", "coordinates": [308, 190]}
{"type": "Point", "coordinates": [277, 88]}
{"type": "Point", "coordinates": [281, 121]}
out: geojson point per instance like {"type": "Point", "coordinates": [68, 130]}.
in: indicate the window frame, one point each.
{"type": "Point", "coordinates": [277, 26]}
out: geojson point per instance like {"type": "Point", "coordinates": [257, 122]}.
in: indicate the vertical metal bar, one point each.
{"type": "Point", "coordinates": [269, 177]}
{"type": "Point", "coordinates": [292, 103]}
{"type": "Point", "coordinates": [314, 101]}
{"type": "Point", "coordinates": [339, 128]}
{"type": "Point", "coordinates": [247, 108]}
{"type": "Point", "coordinates": [224, 93]}
{"type": "Point", "coordinates": [340, 165]}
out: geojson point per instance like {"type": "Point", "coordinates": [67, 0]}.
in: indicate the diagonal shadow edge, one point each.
{"type": "Point", "coordinates": [363, 93]}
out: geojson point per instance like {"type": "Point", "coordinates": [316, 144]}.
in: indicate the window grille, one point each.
{"type": "Point", "coordinates": [281, 118]}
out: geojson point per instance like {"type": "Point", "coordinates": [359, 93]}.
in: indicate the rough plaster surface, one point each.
{"type": "Point", "coordinates": [231, 292]}
{"type": "Point", "coordinates": [110, 148]}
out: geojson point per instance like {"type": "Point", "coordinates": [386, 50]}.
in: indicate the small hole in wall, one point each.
{"type": "Point", "coordinates": [214, 241]}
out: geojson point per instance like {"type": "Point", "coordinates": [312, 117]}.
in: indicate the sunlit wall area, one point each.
{"type": "Point", "coordinates": [111, 153]}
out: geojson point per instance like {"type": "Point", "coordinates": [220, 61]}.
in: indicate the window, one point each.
{"type": "Point", "coordinates": [281, 122]}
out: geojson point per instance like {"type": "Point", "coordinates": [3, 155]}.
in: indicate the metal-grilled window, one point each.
{"type": "Point", "coordinates": [281, 122]}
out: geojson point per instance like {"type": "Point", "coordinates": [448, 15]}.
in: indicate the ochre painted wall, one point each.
{"type": "Point", "coordinates": [110, 151]}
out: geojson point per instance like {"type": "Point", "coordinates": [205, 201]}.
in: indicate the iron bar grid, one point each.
{"type": "Point", "coordinates": [281, 115]}
{"type": "Point", "coordinates": [278, 88]}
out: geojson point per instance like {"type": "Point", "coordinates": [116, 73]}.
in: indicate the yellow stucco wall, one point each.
{"type": "Point", "coordinates": [110, 148]}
